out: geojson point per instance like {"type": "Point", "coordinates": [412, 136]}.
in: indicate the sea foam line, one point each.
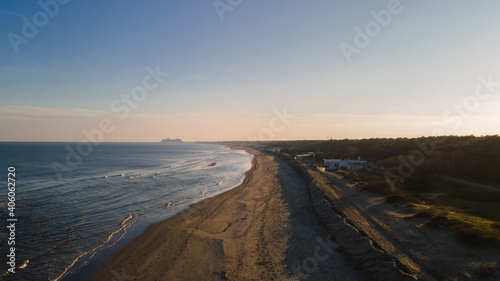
{"type": "Point", "coordinates": [124, 225]}
{"type": "Point", "coordinates": [26, 262]}
{"type": "Point", "coordinates": [172, 205]}
{"type": "Point", "coordinates": [203, 193]}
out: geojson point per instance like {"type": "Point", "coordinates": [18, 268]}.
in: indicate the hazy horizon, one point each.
{"type": "Point", "coordinates": [247, 70]}
{"type": "Point", "coordinates": [242, 140]}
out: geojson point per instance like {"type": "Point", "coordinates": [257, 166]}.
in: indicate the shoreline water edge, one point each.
{"type": "Point", "coordinates": [183, 219]}
{"type": "Point", "coordinates": [180, 208]}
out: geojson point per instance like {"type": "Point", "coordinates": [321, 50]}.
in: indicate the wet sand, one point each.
{"type": "Point", "coordinates": [264, 229]}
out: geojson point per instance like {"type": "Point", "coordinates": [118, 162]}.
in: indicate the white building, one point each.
{"type": "Point", "coordinates": [345, 163]}
{"type": "Point", "coordinates": [302, 156]}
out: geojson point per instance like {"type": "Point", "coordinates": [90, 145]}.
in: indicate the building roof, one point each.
{"type": "Point", "coordinates": [345, 160]}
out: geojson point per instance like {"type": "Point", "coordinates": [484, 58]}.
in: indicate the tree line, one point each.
{"type": "Point", "coordinates": [471, 157]}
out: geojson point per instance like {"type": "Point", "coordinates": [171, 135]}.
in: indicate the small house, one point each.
{"type": "Point", "coordinates": [350, 164]}
{"type": "Point", "coordinates": [276, 149]}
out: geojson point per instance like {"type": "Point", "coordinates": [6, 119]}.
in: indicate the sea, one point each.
{"type": "Point", "coordinates": [76, 204]}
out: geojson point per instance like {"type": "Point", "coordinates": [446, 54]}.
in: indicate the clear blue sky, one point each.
{"type": "Point", "coordinates": [227, 76]}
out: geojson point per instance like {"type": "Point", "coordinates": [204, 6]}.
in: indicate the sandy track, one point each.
{"type": "Point", "coordinates": [428, 253]}
{"type": "Point", "coordinates": [263, 229]}
{"type": "Point", "coordinates": [375, 229]}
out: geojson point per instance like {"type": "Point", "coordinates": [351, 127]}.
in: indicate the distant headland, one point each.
{"type": "Point", "coordinates": [171, 140]}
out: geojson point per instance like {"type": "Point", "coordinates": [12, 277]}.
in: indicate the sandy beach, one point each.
{"type": "Point", "coordinates": [264, 229]}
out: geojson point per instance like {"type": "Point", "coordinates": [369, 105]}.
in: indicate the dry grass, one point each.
{"type": "Point", "coordinates": [475, 230]}
{"type": "Point", "coordinates": [486, 270]}
{"type": "Point", "coordinates": [349, 175]}
{"type": "Point", "coordinates": [377, 186]}
{"type": "Point", "coordinates": [474, 219]}
{"type": "Point", "coordinates": [231, 275]}
{"type": "Point", "coordinates": [466, 233]}
{"type": "Point", "coordinates": [395, 198]}
{"type": "Point", "coordinates": [470, 229]}
{"type": "Point", "coordinates": [438, 220]}
{"type": "Point", "coordinates": [427, 214]}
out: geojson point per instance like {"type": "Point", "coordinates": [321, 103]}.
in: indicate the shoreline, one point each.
{"type": "Point", "coordinates": [181, 217]}
{"type": "Point", "coordinates": [264, 229]}
{"type": "Point", "coordinates": [86, 271]}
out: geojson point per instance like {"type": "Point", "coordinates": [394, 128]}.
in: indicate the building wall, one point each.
{"type": "Point", "coordinates": [344, 164]}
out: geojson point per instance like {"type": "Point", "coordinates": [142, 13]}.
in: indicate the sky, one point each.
{"type": "Point", "coordinates": [142, 71]}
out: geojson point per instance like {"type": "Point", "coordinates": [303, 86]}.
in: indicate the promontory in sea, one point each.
{"type": "Point", "coordinates": [168, 140]}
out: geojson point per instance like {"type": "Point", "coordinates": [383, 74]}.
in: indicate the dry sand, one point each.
{"type": "Point", "coordinates": [264, 229]}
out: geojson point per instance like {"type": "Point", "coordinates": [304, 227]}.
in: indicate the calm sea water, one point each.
{"type": "Point", "coordinates": [64, 223]}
